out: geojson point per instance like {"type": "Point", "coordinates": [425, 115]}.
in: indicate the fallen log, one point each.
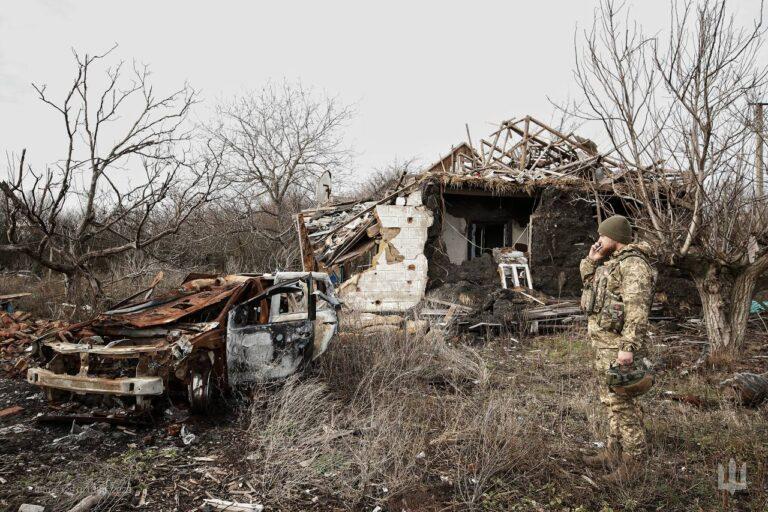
{"type": "Point", "coordinates": [91, 501]}
{"type": "Point", "coordinates": [750, 389]}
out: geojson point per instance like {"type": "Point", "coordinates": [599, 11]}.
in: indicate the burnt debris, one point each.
{"type": "Point", "coordinates": [196, 341]}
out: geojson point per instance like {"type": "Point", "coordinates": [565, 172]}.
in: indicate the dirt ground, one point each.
{"type": "Point", "coordinates": [497, 426]}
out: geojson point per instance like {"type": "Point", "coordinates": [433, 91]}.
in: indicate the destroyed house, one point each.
{"type": "Point", "coordinates": [520, 210]}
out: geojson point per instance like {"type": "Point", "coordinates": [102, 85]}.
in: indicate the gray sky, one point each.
{"type": "Point", "coordinates": [417, 70]}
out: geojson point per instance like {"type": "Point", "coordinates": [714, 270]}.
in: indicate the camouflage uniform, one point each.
{"type": "Point", "coordinates": [617, 298]}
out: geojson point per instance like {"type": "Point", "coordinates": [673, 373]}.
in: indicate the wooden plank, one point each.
{"type": "Point", "coordinates": [11, 411]}
{"type": "Point", "coordinates": [305, 246]}
{"type": "Point", "coordinates": [449, 315]}
{"type": "Point", "coordinates": [449, 304]}
{"type": "Point", "coordinates": [530, 297]}
{"type": "Point", "coordinates": [433, 312]}
{"type": "Point", "coordinates": [477, 326]}
{"type": "Point", "coordinates": [11, 296]}
{"type": "Point", "coordinates": [524, 154]}
{"type": "Point", "coordinates": [212, 504]}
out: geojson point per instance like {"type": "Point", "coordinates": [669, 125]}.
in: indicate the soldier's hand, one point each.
{"type": "Point", "coordinates": [625, 358]}
{"type": "Point", "coordinates": [596, 252]}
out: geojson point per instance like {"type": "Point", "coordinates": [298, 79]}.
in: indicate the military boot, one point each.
{"type": "Point", "coordinates": [605, 458]}
{"type": "Point", "coordinates": [627, 469]}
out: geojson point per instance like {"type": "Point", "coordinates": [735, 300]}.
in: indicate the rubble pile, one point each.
{"type": "Point", "coordinates": [488, 307]}
{"type": "Point", "coordinates": [529, 310]}
{"type": "Point", "coordinates": [17, 331]}
{"type": "Point", "coordinates": [332, 230]}
{"type": "Point", "coordinates": [748, 389]}
{"type": "Point", "coordinates": [466, 284]}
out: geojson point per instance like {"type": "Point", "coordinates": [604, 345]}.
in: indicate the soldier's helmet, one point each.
{"type": "Point", "coordinates": [630, 380]}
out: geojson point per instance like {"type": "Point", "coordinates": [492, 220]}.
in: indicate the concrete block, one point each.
{"type": "Point", "coordinates": [26, 507]}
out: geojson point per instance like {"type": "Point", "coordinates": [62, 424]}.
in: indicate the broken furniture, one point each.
{"type": "Point", "coordinates": [515, 275]}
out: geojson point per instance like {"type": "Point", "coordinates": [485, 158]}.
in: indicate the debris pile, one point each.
{"type": "Point", "coordinates": [526, 150]}
{"type": "Point", "coordinates": [528, 310]}
{"type": "Point", "coordinates": [748, 389]}
{"type": "Point", "coordinates": [488, 308]}
{"type": "Point", "coordinates": [332, 231]}
{"type": "Point", "coordinates": [17, 331]}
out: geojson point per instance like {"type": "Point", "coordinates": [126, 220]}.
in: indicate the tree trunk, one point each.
{"type": "Point", "coordinates": [714, 309]}
{"type": "Point", "coordinates": [726, 296]}
{"type": "Point", "coordinates": [78, 293]}
{"type": "Point", "coordinates": [74, 284]}
{"type": "Point", "coordinates": [741, 301]}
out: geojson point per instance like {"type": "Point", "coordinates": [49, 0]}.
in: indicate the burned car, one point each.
{"type": "Point", "coordinates": [203, 338]}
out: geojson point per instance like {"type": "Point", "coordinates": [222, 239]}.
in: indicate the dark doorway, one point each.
{"type": "Point", "coordinates": [484, 237]}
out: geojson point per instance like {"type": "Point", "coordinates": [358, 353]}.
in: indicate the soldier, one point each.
{"type": "Point", "coordinates": [617, 298]}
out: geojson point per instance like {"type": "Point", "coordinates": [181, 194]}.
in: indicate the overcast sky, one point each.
{"type": "Point", "coordinates": [417, 70]}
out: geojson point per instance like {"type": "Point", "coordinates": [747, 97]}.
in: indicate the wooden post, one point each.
{"type": "Point", "coordinates": [530, 237]}
{"type": "Point", "coordinates": [305, 246]}
{"type": "Point", "coordinates": [469, 137]}
{"type": "Point", "coordinates": [759, 173]}
{"type": "Point", "coordinates": [524, 154]}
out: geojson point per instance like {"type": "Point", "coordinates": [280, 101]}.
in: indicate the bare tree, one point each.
{"type": "Point", "coordinates": [384, 178]}
{"type": "Point", "coordinates": [676, 108]}
{"type": "Point", "coordinates": [86, 208]}
{"type": "Point", "coordinates": [277, 141]}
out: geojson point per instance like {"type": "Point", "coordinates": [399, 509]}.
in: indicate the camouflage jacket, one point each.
{"type": "Point", "coordinates": [617, 297]}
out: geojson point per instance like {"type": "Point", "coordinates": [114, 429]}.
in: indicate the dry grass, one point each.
{"type": "Point", "coordinates": [90, 478]}
{"type": "Point", "coordinates": [397, 417]}
{"type": "Point", "coordinates": [49, 300]}
{"type": "Point", "coordinates": [420, 424]}
{"type": "Point", "coordinates": [293, 438]}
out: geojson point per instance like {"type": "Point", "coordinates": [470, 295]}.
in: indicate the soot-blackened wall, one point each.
{"type": "Point", "coordinates": [564, 226]}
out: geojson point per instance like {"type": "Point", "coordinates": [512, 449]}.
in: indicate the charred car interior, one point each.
{"type": "Point", "coordinates": [194, 342]}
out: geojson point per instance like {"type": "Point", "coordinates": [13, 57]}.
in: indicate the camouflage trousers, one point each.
{"type": "Point", "coordinates": [625, 414]}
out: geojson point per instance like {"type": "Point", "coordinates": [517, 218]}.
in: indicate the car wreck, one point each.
{"type": "Point", "coordinates": [205, 337]}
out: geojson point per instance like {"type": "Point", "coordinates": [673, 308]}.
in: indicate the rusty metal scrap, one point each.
{"type": "Point", "coordinates": [177, 341]}
{"type": "Point", "coordinates": [17, 332]}
{"type": "Point", "coordinates": [136, 348]}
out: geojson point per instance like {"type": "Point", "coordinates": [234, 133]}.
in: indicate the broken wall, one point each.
{"type": "Point", "coordinates": [463, 209]}
{"type": "Point", "coordinates": [455, 241]}
{"type": "Point", "coordinates": [397, 278]}
{"type": "Point", "coordinates": [563, 227]}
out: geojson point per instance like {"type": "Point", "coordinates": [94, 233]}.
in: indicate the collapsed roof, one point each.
{"type": "Point", "coordinates": [521, 156]}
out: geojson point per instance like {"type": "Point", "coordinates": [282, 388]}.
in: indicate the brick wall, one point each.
{"type": "Point", "coordinates": [398, 284]}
